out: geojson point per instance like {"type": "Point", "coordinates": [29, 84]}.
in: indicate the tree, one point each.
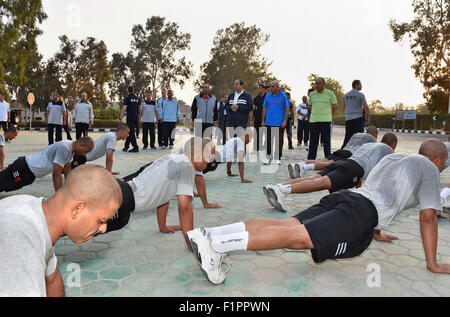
{"type": "Point", "coordinates": [376, 106]}
{"type": "Point", "coordinates": [333, 85]}
{"type": "Point", "coordinates": [18, 31]}
{"type": "Point", "coordinates": [429, 34]}
{"type": "Point", "coordinates": [236, 55]}
{"type": "Point", "coordinates": [82, 66]}
{"type": "Point", "coordinates": [153, 62]}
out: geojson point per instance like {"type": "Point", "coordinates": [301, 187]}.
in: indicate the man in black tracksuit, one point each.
{"type": "Point", "coordinates": [239, 106]}
{"type": "Point", "coordinates": [131, 108]}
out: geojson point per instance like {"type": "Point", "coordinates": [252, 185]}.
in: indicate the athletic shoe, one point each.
{"type": "Point", "coordinates": [278, 197]}
{"type": "Point", "coordinates": [270, 198]}
{"type": "Point", "coordinates": [268, 162]}
{"type": "Point", "coordinates": [278, 162]}
{"type": "Point", "coordinates": [299, 144]}
{"type": "Point", "coordinates": [445, 210]}
{"type": "Point", "coordinates": [210, 261]}
{"type": "Point", "coordinates": [144, 148]}
{"type": "Point", "coordinates": [300, 170]}
{"type": "Point", "coordinates": [125, 149]}
{"type": "Point", "coordinates": [134, 150]}
{"type": "Point", "coordinates": [153, 147]}
{"type": "Point", "coordinates": [292, 172]}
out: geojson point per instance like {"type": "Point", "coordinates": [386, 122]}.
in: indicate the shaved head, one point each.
{"type": "Point", "coordinates": [433, 148]}
{"type": "Point", "coordinates": [373, 131]}
{"type": "Point", "coordinates": [390, 139]}
{"type": "Point", "coordinates": [93, 185]}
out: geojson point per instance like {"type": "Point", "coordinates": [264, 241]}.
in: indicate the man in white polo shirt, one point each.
{"type": "Point", "coordinates": [5, 113]}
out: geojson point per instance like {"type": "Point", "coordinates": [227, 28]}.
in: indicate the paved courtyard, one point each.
{"type": "Point", "coordinates": [141, 261]}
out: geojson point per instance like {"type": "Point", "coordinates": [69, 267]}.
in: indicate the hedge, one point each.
{"type": "Point", "coordinates": [423, 122]}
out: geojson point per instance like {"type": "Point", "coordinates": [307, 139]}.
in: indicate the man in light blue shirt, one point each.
{"type": "Point", "coordinates": [275, 116]}
{"type": "Point", "coordinates": [169, 113]}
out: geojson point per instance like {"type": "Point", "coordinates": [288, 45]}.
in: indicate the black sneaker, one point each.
{"type": "Point", "coordinates": [145, 148]}
{"type": "Point", "coordinates": [153, 147]}
{"type": "Point", "coordinates": [134, 150]}
{"type": "Point", "coordinates": [125, 149]}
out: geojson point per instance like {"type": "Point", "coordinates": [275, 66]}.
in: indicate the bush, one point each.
{"type": "Point", "coordinates": [107, 114]}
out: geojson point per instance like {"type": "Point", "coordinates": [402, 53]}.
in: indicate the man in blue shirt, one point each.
{"type": "Point", "coordinates": [169, 113]}
{"type": "Point", "coordinates": [131, 108]}
{"type": "Point", "coordinates": [275, 116]}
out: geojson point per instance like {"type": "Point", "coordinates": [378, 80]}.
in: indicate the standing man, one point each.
{"type": "Point", "coordinates": [148, 117]}
{"type": "Point", "coordinates": [66, 119]}
{"type": "Point", "coordinates": [170, 113]}
{"type": "Point", "coordinates": [239, 106]}
{"type": "Point", "coordinates": [222, 115]}
{"type": "Point", "coordinates": [258, 113]}
{"type": "Point", "coordinates": [303, 123]}
{"type": "Point", "coordinates": [83, 116]}
{"type": "Point", "coordinates": [160, 123]}
{"type": "Point", "coordinates": [275, 116]}
{"type": "Point", "coordinates": [55, 118]}
{"type": "Point", "coordinates": [5, 113]}
{"type": "Point", "coordinates": [356, 111]}
{"type": "Point", "coordinates": [323, 104]}
{"type": "Point", "coordinates": [204, 109]}
{"type": "Point", "coordinates": [290, 122]}
{"type": "Point", "coordinates": [131, 107]}
{"type": "Point", "coordinates": [9, 135]}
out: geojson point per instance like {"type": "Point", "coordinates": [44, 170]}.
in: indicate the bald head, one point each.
{"type": "Point", "coordinates": [373, 131]}
{"type": "Point", "coordinates": [390, 139]}
{"type": "Point", "coordinates": [93, 185]}
{"type": "Point", "coordinates": [83, 145]}
{"type": "Point", "coordinates": [433, 148]}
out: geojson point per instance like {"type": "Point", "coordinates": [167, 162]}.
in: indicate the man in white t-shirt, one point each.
{"type": "Point", "coordinates": [52, 160]}
{"type": "Point", "coordinates": [30, 227]}
{"type": "Point", "coordinates": [10, 134]}
{"type": "Point", "coordinates": [105, 145]}
{"type": "Point", "coordinates": [5, 113]}
{"type": "Point", "coordinates": [344, 224]}
{"type": "Point", "coordinates": [155, 184]}
{"type": "Point", "coordinates": [303, 122]}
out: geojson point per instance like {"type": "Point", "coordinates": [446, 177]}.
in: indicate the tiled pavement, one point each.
{"type": "Point", "coordinates": [140, 261]}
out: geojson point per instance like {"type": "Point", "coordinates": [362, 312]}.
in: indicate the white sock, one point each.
{"type": "Point", "coordinates": [231, 242]}
{"type": "Point", "coordinates": [286, 189]}
{"type": "Point", "coordinates": [445, 193]}
{"type": "Point", "coordinates": [309, 167]}
{"type": "Point", "coordinates": [225, 230]}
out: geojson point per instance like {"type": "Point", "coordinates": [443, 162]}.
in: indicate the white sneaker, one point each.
{"type": "Point", "coordinates": [268, 162]}
{"type": "Point", "coordinates": [278, 198]}
{"type": "Point", "coordinates": [300, 170]}
{"type": "Point", "coordinates": [210, 261]}
{"type": "Point", "coordinates": [445, 210]}
{"type": "Point", "coordinates": [292, 172]}
{"type": "Point", "coordinates": [270, 198]}
{"type": "Point", "coordinates": [278, 162]}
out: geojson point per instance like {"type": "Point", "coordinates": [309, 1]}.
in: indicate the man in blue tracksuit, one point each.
{"type": "Point", "coordinates": [239, 106]}
{"type": "Point", "coordinates": [170, 113]}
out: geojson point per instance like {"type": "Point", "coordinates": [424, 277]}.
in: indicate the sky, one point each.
{"type": "Point", "coordinates": [341, 39]}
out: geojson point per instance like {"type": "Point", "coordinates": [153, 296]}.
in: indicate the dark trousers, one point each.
{"type": "Point", "coordinates": [258, 136]}
{"type": "Point", "coordinates": [132, 136]}
{"type": "Point", "coordinates": [303, 131]}
{"type": "Point", "coordinates": [81, 130]}
{"type": "Point", "coordinates": [58, 132]}
{"type": "Point", "coordinates": [351, 128]}
{"type": "Point", "coordinates": [324, 130]}
{"type": "Point", "coordinates": [4, 125]}
{"type": "Point", "coordinates": [148, 128]}
{"type": "Point", "coordinates": [67, 130]}
{"type": "Point", "coordinates": [289, 132]}
{"type": "Point", "coordinates": [16, 176]}
{"type": "Point", "coordinates": [272, 140]}
{"type": "Point", "coordinates": [160, 134]}
{"type": "Point", "coordinates": [223, 129]}
{"type": "Point", "coordinates": [168, 129]}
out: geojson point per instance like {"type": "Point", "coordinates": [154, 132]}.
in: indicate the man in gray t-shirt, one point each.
{"type": "Point", "coordinates": [344, 174]}
{"type": "Point", "coordinates": [30, 227]}
{"type": "Point", "coordinates": [51, 160]}
{"type": "Point", "coordinates": [355, 106]}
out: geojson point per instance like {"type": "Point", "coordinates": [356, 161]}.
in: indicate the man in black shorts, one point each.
{"type": "Point", "coordinates": [299, 170]}
{"type": "Point", "coordinates": [344, 174]}
{"type": "Point", "coordinates": [343, 224]}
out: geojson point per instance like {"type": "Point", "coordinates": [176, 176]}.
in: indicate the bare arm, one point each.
{"type": "Point", "coordinates": [334, 108]}
{"type": "Point", "coordinates": [122, 114]}
{"type": "Point", "coordinates": [54, 285]}
{"type": "Point", "coordinates": [241, 164]}
{"type": "Point", "coordinates": [429, 231]}
{"type": "Point", "coordinates": [367, 112]}
{"type": "Point", "coordinates": [264, 117]}
{"type": "Point", "coordinates": [186, 216]}
{"type": "Point", "coordinates": [161, 214]}
{"type": "Point", "coordinates": [109, 160]}
{"type": "Point", "coordinates": [2, 158]}
{"type": "Point", "coordinates": [57, 176]}
{"type": "Point", "coordinates": [201, 188]}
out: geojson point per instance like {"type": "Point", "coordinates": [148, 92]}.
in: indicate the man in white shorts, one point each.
{"type": "Point", "coordinates": [344, 174]}
{"type": "Point", "coordinates": [155, 184]}
{"type": "Point", "coordinates": [52, 160]}
{"type": "Point", "coordinates": [9, 135]}
{"type": "Point", "coordinates": [299, 170]}
{"type": "Point", "coordinates": [30, 227]}
{"type": "Point", "coordinates": [105, 145]}
{"type": "Point", "coordinates": [344, 223]}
